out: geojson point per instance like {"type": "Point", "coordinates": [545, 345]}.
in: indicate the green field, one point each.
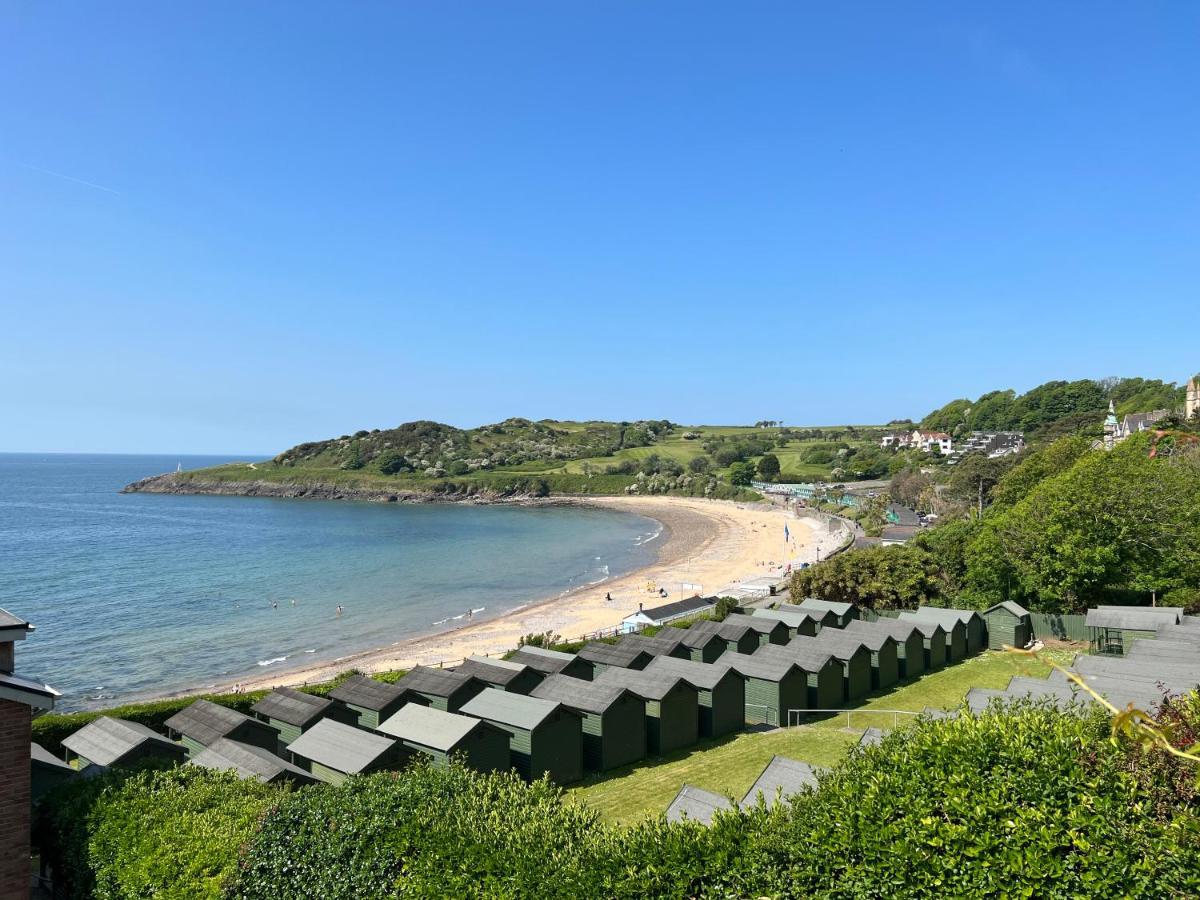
{"type": "Point", "coordinates": [730, 765]}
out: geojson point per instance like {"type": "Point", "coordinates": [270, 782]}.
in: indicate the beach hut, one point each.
{"type": "Point", "coordinates": [885, 657]}
{"type": "Point", "coordinates": [821, 615]}
{"type": "Point", "coordinates": [199, 724]}
{"type": "Point", "coordinates": [775, 685]}
{"type": "Point", "coordinates": [852, 656]}
{"type": "Point", "coordinates": [910, 644]}
{"type": "Point", "coordinates": [976, 627]}
{"type": "Point", "coordinates": [249, 761]}
{"type": "Point", "coordinates": [935, 638]}
{"type": "Point", "coordinates": [601, 656]}
{"type": "Point", "coordinates": [291, 713]}
{"type": "Point", "coordinates": [954, 639]}
{"type": "Point", "coordinates": [701, 644]}
{"type": "Point", "coordinates": [498, 673]}
{"type": "Point", "coordinates": [439, 735]}
{"type": "Point", "coordinates": [672, 707]}
{"type": "Point", "coordinates": [668, 642]}
{"type": "Point", "coordinates": [797, 620]}
{"type": "Point", "coordinates": [1008, 624]}
{"type": "Point", "coordinates": [108, 742]}
{"type": "Point", "coordinates": [1113, 630]}
{"type": "Point", "coordinates": [824, 674]}
{"type": "Point", "coordinates": [695, 804]}
{"type": "Point", "coordinates": [721, 692]}
{"type": "Point", "coordinates": [781, 779]}
{"type": "Point", "coordinates": [544, 736]}
{"type": "Point", "coordinates": [614, 719]}
{"type": "Point", "coordinates": [553, 662]}
{"type": "Point", "coordinates": [369, 700]}
{"type": "Point", "coordinates": [844, 613]}
{"type": "Point", "coordinates": [769, 631]}
{"type": "Point", "coordinates": [331, 751]}
{"type": "Point", "coordinates": [47, 772]}
{"type": "Point", "coordinates": [738, 638]}
{"type": "Point", "coordinates": [439, 688]}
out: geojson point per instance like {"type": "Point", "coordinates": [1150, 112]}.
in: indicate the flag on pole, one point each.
{"type": "Point", "coordinates": [785, 533]}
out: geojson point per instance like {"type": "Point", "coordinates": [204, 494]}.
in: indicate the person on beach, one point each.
{"type": "Point", "coordinates": [339, 609]}
{"type": "Point", "coordinates": [608, 599]}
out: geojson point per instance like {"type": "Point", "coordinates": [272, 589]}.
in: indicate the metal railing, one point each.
{"type": "Point", "coordinates": [795, 716]}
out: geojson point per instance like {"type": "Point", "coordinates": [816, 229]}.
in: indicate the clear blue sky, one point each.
{"type": "Point", "coordinates": [236, 226]}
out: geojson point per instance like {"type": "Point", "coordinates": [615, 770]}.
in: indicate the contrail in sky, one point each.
{"type": "Point", "coordinates": [90, 184]}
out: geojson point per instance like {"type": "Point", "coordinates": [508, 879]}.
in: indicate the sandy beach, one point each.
{"type": "Point", "coordinates": [706, 545]}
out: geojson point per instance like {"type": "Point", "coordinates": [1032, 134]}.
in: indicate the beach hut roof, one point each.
{"type": "Point", "coordinates": [1128, 618]}
{"type": "Point", "coordinates": [1008, 606]}
{"type": "Point", "coordinates": [435, 682]}
{"type": "Point", "coordinates": [696, 805]}
{"type": "Point", "coordinates": [342, 748]}
{"type": "Point", "coordinates": [945, 614]}
{"type": "Point", "coordinates": [870, 737]}
{"type": "Point", "coordinates": [1169, 612]}
{"type": "Point", "coordinates": [840, 609]}
{"type": "Point", "coordinates": [548, 662]}
{"type": "Point", "coordinates": [726, 630]}
{"type": "Point", "coordinates": [662, 643]}
{"type": "Point", "coordinates": [368, 693]}
{"type": "Point", "coordinates": [292, 706]}
{"type": "Point", "coordinates": [492, 671]}
{"type": "Point", "coordinates": [900, 629]}
{"type": "Point", "coordinates": [810, 657]}
{"type": "Point", "coordinates": [697, 638]}
{"type": "Point", "coordinates": [105, 740]}
{"type": "Point", "coordinates": [623, 655]}
{"type": "Point", "coordinates": [871, 638]}
{"type": "Point", "coordinates": [934, 713]}
{"type": "Point", "coordinates": [703, 676]}
{"type": "Point", "coordinates": [205, 721]}
{"type": "Point", "coordinates": [766, 667]}
{"type": "Point", "coordinates": [42, 756]}
{"type": "Point", "coordinates": [927, 625]}
{"type": "Point", "coordinates": [830, 641]}
{"type": "Point", "coordinates": [758, 624]}
{"type": "Point", "coordinates": [792, 616]}
{"type": "Point", "coordinates": [430, 727]}
{"type": "Point", "coordinates": [586, 696]}
{"type": "Point", "coordinates": [645, 684]}
{"type": "Point", "coordinates": [224, 755]}
{"type": "Point", "coordinates": [516, 710]}
{"type": "Point", "coordinates": [782, 776]}
{"type": "Point", "coordinates": [679, 608]}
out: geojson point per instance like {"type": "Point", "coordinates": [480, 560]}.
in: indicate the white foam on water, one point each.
{"type": "Point", "coordinates": [267, 662]}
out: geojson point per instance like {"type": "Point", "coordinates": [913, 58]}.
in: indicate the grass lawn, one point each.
{"type": "Point", "coordinates": [730, 765]}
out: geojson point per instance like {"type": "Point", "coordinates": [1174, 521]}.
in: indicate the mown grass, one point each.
{"type": "Point", "coordinates": [730, 765]}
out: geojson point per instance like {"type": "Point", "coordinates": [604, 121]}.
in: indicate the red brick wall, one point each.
{"type": "Point", "coordinates": [14, 800]}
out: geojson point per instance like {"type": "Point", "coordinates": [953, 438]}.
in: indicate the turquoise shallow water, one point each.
{"type": "Point", "coordinates": [135, 594]}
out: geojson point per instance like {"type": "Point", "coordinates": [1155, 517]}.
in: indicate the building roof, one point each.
{"type": "Point", "coordinates": [516, 710]}
{"type": "Point", "coordinates": [548, 662]}
{"type": "Point", "coordinates": [759, 624]}
{"type": "Point", "coordinates": [872, 638]}
{"type": "Point", "coordinates": [812, 603]}
{"type": "Point", "coordinates": [429, 727]}
{"type": "Point", "coordinates": [696, 805]}
{"type": "Point", "coordinates": [28, 691]}
{"type": "Point", "coordinates": [830, 641]}
{"type": "Point", "coordinates": [663, 643]}
{"type": "Point", "coordinates": [1008, 606]}
{"type": "Point", "coordinates": [900, 533]}
{"type": "Point", "coordinates": [902, 515]}
{"type": "Point", "coordinates": [624, 655]}
{"type": "Point", "coordinates": [645, 684]}
{"type": "Point", "coordinates": [695, 638]}
{"type": "Point", "coordinates": [205, 721]}
{"type": "Point", "coordinates": [870, 737]}
{"type": "Point", "coordinates": [42, 756]}
{"type": "Point", "coordinates": [703, 676]}
{"type": "Point", "coordinates": [781, 779]}
{"type": "Point", "coordinates": [8, 620]}
{"type": "Point", "coordinates": [766, 668]}
{"type": "Point", "coordinates": [368, 693]}
{"type": "Point", "coordinates": [789, 615]}
{"type": "Point", "coordinates": [492, 671]}
{"type": "Point", "coordinates": [922, 621]}
{"type": "Point", "coordinates": [434, 682]}
{"type": "Point", "coordinates": [927, 627]}
{"type": "Point", "coordinates": [1174, 613]}
{"type": "Point", "coordinates": [729, 631]}
{"type": "Point", "coordinates": [939, 613]}
{"type": "Point", "coordinates": [595, 697]}
{"type": "Point", "coordinates": [342, 748]}
{"type": "Point", "coordinates": [897, 629]}
{"type": "Point", "coordinates": [811, 657]}
{"type": "Point", "coordinates": [677, 608]}
{"type": "Point", "coordinates": [292, 706]}
{"type": "Point", "coordinates": [224, 755]}
{"type": "Point", "coordinates": [105, 741]}
{"type": "Point", "coordinates": [1133, 619]}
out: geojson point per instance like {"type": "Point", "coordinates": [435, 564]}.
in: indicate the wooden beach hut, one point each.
{"type": "Point", "coordinates": [614, 719]}
{"type": "Point", "coordinates": [544, 736]}
{"type": "Point", "coordinates": [781, 779]}
{"type": "Point", "coordinates": [668, 642]}
{"type": "Point", "coordinates": [553, 662]}
{"type": "Point", "coordinates": [249, 761]}
{"type": "Point", "coordinates": [601, 656]}
{"type": "Point", "coordinates": [498, 673]}
{"type": "Point", "coordinates": [331, 752]}
{"type": "Point", "coordinates": [702, 645]}
{"type": "Point", "coordinates": [47, 772]}
{"type": "Point", "coordinates": [910, 644]}
{"type": "Point", "coordinates": [824, 618]}
{"type": "Point", "coordinates": [439, 735]}
{"type": "Point", "coordinates": [775, 685]}
{"type": "Point", "coordinates": [695, 804]}
{"type": "Point", "coordinates": [844, 613]}
{"type": "Point", "coordinates": [1113, 630]}
{"type": "Point", "coordinates": [369, 700]}
{"type": "Point", "coordinates": [976, 627]}
{"type": "Point", "coordinates": [885, 657]}
{"type": "Point", "coordinates": [721, 692]}
{"type": "Point", "coordinates": [439, 688]}
{"type": "Point", "coordinates": [672, 707]}
{"type": "Point", "coordinates": [824, 675]}
{"type": "Point", "coordinates": [203, 722]}
{"type": "Point", "coordinates": [738, 638]}
{"type": "Point", "coordinates": [1007, 624]}
{"type": "Point", "coordinates": [954, 639]}
{"type": "Point", "coordinates": [119, 743]}
{"type": "Point", "coordinates": [291, 713]}
{"type": "Point", "coordinates": [935, 638]}
{"type": "Point", "coordinates": [852, 656]}
{"type": "Point", "coordinates": [798, 621]}
{"type": "Point", "coordinates": [769, 630]}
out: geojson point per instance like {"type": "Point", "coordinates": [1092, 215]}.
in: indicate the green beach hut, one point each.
{"type": "Point", "coordinates": [614, 719]}
{"type": "Point", "coordinates": [737, 638]}
{"type": "Point", "coordinates": [885, 658]}
{"type": "Point", "coordinates": [1114, 629]}
{"type": "Point", "coordinates": [248, 761]}
{"type": "Point", "coordinates": [439, 735]}
{"type": "Point", "coordinates": [600, 656]}
{"type": "Point", "coordinates": [702, 645]}
{"type": "Point", "coordinates": [544, 736]}
{"type": "Point", "coordinates": [973, 622]}
{"type": "Point", "coordinates": [824, 674]}
{"type": "Point", "coordinates": [955, 640]}
{"type": "Point", "coordinates": [118, 743]}
{"type": "Point", "coordinates": [798, 621]}
{"type": "Point", "coordinates": [721, 692]}
{"type": "Point", "coordinates": [369, 700]}
{"type": "Point", "coordinates": [672, 707]}
{"type": "Point", "coordinates": [668, 642]}
{"type": "Point", "coordinates": [291, 713]}
{"type": "Point", "coordinates": [844, 613]}
{"type": "Point", "coordinates": [500, 673]}
{"type": "Point", "coordinates": [47, 772]}
{"type": "Point", "coordinates": [854, 658]}
{"type": "Point", "coordinates": [769, 630]}
{"type": "Point", "coordinates": [331, 752]}
{"type": "Point", "coordinates": [203, 722]}
{"type": "Point", "coordinates": [775, 685]}
{"type": "Point", "coordinates": [552, 662]}
{"type": "Point", "coordinates": [910, 644]}
{"type": "Point", "coordinates": [439, 688]}
{"type": "Point", "coordinates": [1008, 624]}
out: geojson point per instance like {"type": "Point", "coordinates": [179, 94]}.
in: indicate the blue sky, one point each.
{"type": "Point", "coordinates": [231, 227]}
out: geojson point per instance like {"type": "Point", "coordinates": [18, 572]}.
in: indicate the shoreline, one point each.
{"type": "Point", "coordinates": [707, 545]}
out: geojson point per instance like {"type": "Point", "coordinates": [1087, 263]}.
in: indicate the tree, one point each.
{"type": "Point", "coordinates": [975, 476]}
{"type": "Point", "coordinates": [768, 467]}
{"type": "Point", "coordinates": [741, 473]}
{"type": "Point", "coordinates": [724, 606]}
{"type": "Point", "coordinates": [908, 485]}
{"type": "Point", "coordinates": [390, 462]}
{"type": "Point", "coordinates": [699, 465]}
{"type": "Point", "coordinates": [875, 577]}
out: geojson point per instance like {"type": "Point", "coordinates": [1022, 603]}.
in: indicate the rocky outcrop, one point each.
{"type": "Point", "coordinates": [173, 483]}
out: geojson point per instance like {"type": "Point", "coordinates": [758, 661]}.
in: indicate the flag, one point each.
{"type": "Point", "coordinates": [785, 533]}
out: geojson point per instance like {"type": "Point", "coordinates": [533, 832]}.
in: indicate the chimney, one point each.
{"type": "Point", "coordinates": [639, 606]}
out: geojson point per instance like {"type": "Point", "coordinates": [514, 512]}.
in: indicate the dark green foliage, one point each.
{"type": "Point", "coordinates": [741, 473]}
{"type": "Point", "coordinates": [901, 577]}
{"type": "Point", "coordinates": [699, 465]}
{"type": "Point", "coordinates": [723, 607]}
{"type": "Point", "coordinates": [768, 467]}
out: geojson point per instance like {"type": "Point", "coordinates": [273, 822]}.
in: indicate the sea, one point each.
{"type": "Point", "coordinates": [135, 595]}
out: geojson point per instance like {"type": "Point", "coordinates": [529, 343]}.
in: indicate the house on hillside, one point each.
{"type": "Point", "coordinates": [668, 612]}
{"type": "Point", "coordinates": [992, 444]}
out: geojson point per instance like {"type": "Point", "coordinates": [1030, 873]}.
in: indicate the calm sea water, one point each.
{"type": "Point", "coordinates": [135, 594]}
